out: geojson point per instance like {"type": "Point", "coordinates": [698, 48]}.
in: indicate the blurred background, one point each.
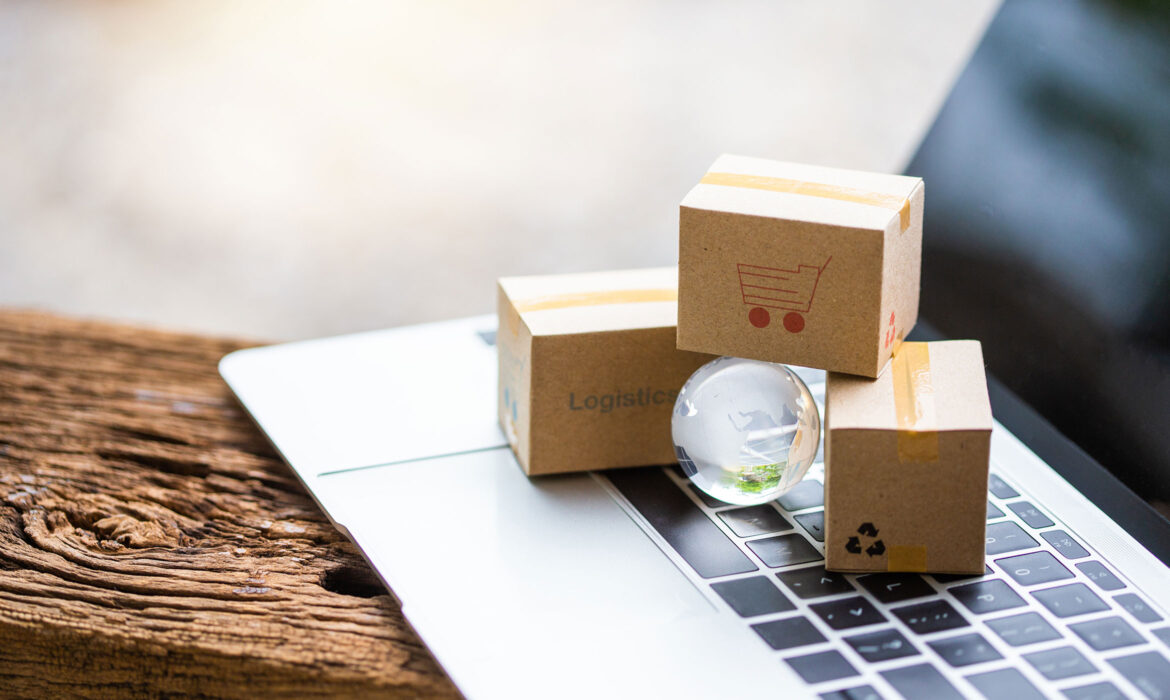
{"type": "Point", "coordinates": [282, 170]}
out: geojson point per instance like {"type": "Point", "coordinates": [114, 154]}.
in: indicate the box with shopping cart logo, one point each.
{"type": "Point", "coordinates": [906, 463]}
{"type": "Point", "coordinates": [589, 370]}
{"type": "Point", "coordinates": [799, 264]}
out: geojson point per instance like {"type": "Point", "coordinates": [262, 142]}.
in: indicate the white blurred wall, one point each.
{"type": "Point", "coordinates": [292, 169]}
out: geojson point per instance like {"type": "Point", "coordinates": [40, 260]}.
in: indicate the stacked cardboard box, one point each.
{"type": "Point", "coordinates": [820, 267]}
{"type": "Point", "coordinates": [784, 263]}
{"type": "Point", "coordinates": [906, 463]}
{"type": "Point", "coordinates": [799, 264]}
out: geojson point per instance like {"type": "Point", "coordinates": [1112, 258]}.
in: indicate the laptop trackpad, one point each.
{"type": "Point", "coordinates": [478, 549]}
{"type": "Point", "coordinates": [474, 529]}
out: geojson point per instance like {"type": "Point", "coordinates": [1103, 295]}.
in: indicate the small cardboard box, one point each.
{"type": "Point", "coordinates": [589, 370]}
{"type": "Point", "coordinates": [799, 264]}
{"type": "Point", "coordinates": [906, 463]}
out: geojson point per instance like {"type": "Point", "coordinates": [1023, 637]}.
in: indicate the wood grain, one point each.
{"type": "Point", "coordinates": [151, 543]}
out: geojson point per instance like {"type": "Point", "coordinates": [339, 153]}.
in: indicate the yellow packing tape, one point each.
{"type": "Point", "coordinates": [914, 404]}
{"type": "Point", "coordinates": [614, 296]}
{"type": "Point", "coordinates": [904, 558]}
{"type": "Point", "coordinates": [814, 189]}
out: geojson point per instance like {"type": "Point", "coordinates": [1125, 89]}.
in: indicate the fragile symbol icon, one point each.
{"type": "Point", "coordinates": [872, 547]}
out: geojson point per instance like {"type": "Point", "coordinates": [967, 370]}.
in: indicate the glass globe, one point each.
{"type": "Point", "coordinates": [745, 431]}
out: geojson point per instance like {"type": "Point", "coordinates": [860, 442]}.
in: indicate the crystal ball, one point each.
{"type": "Point", "coordinates": [745, 431]}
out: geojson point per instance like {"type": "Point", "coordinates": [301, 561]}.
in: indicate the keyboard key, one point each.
{"type": "Point", "coordinates": [788, 633]}
{"type": "Point", "coordinates": [894, 588]}
{"type": "Point", "coordinates": [861, 692]}
{"type": "Point", "coordinates": [1007, 537]}
{"type": "Point", "coordinates": [951, 578]}
{"type": "Point", "coordinates": [1095, 691]}
{"type": "Point", "coordinates": [921, 681]}
{"type": "Point", "coordinates": [987, 596]}
{"type": "Point", "coordinates": [1163, 634]}
{"type": "Point", "coordinates": [1005, 683]}
{"type": "Point", "coordinates": [882, 645]}
{"type": "Point", "coordinates": [993, 512]}
{"type": "Point", "coordinates": [850, 612]}
{"type": "Point", "coordinates": [753, 596]}
{"type": "Point", "coordinates": [754, 520]}
{"type": "Point", "coordinates": [1023, 629]}
{"type": "Point", "coordinates": [784, 550]}
{"type": "Point", "coordinates": [934, 616]}
{"type": "Point", "coordinates": [965, 650]}
{"type": "Point", "coordinates": [680, 522]}
{"type": "Point", "coordinates": [821, 666]}
{"type": "Point", "coordinates": [1098, 574]}
{"type": "Point", "coordinates": [999, 488]}
{"type": "Point", "coordinates": [1134, 605]}
{"type": "Point", "coordinates": [1068, 601]}
{"type": "Point", "coordinates": [1033, 569]}
{"type": "Point", "coordinates": [1030, 515]}
{"type": "Point", "coordinates": [709, 501]}
{"type": "Point", "coordinates": [1148, 671]}
{"type": "Point", "coordinates": [807, 494]}
{"type": "Point", "coordinates": [1063, 662]}
{"type": "Point", "coordinates": [1108, 633]}
{"type": "Point", "coordinates": [1066, 545]}
{"type": "Point", "coordinates": [815, 582]}
{"type": "Point", "coordinates": [814, 523]}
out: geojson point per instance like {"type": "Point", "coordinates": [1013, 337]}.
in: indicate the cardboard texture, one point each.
{"type": "Point", "coordinates": [799, 264]}
{"type": "Point", "coordinates": [589, 370]}
{"type": "Point", "coordinates": [906, 463]}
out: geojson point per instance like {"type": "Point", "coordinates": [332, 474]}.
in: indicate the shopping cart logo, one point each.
{"type": "Point", "coordinates": [775, 288]}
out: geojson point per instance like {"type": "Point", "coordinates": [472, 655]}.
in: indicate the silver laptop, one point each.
{"type": "Point", "coordinates": [630, 583]}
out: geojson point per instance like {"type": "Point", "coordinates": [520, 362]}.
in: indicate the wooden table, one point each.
{"type": "Point", "coordinates": [151, 542]}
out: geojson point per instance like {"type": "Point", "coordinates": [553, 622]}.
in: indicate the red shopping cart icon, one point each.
{"type": "Point", "coordinates": [766, 288]}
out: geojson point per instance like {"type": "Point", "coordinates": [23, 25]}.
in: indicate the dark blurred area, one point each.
{"type": "Point", "coordinates": [1048, 222]}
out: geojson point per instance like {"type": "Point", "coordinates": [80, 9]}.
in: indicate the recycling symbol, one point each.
{"type": "Point", "coordinates": [872, 545]}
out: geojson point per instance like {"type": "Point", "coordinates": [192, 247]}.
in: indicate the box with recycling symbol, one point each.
{"type": "Point", "coordinates": [906, 463]}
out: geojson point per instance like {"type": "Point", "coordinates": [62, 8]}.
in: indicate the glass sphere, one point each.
{"type": "Point", "coordinates": [745, 431]}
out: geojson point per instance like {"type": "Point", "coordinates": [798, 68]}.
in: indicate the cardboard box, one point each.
{"type": "Point", "coordinates": [906, 463]}
{"type": "Point", "coordinates": [589, 370]}
{"type": "Point", "coordinates": [799, 264]}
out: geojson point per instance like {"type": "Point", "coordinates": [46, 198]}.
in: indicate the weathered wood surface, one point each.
{"type": "Point", "coordinates": [151, 543]}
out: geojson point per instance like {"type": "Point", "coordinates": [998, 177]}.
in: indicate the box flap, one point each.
{"type": "Point", "coordinates": [948, 392]}
{"type": "Point", "coordinates": [793, 191]}
{"type": "Point", "coordinates": [592, 302]}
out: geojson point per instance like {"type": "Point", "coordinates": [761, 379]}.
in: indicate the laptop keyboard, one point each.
{"type": "Point", "coordinates": [1048, 615]}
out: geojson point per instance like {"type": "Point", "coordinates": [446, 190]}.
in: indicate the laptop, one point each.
{"type": "Point", "coordinates": [631, 583]}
